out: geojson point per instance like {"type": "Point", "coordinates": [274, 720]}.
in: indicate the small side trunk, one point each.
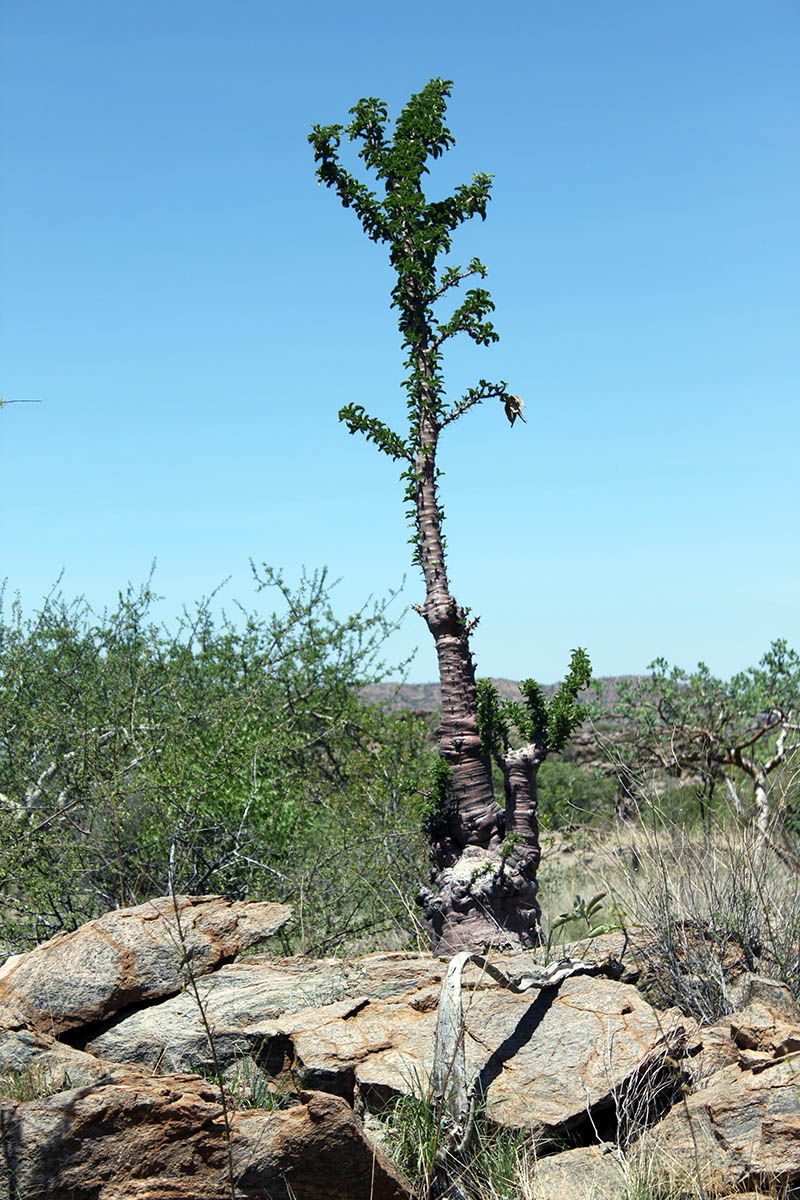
{"type": "Point", "coordinates": [521, 850]}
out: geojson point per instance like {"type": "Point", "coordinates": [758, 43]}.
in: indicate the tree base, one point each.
{"type": "Point", "coordinates": [484, 901]}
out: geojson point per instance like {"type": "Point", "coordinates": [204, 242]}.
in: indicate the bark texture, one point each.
{"type": "Point", "coordinates": [475, 818]}
{"type": "Point", "coordinates": [482, 892]}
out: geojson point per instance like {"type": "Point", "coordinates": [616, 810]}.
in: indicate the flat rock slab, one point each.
{"type": "Point", "coordinates": [541, 1059]}
{"type": "Point", "coordinates": [171, 1035]}
{"type": "Point", "coordinates": [127, 957]}
{"type": "Point", "coordinates": [744, 1126]}
{"type": "Point", "coordinates": [241, 996]}
{"type": "Point", "coordinates": [143, 1138]}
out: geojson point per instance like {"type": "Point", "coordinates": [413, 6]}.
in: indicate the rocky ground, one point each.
{"type": "Point", "coordinates": [111, 1038]}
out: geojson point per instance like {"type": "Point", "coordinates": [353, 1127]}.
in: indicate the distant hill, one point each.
{"type": "Point", "coordinates": [426, 697]}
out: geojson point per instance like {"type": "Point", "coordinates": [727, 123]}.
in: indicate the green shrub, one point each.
{"type": "Point", "coordinates": [570, 795]}
{"type": "Point", "coordinates": [228, 757]}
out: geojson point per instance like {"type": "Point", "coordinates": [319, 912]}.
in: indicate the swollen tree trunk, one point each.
{"type": "Point", "coordinates": [482, 889]}
{"type": "Point", "coordinates": [475, 817]}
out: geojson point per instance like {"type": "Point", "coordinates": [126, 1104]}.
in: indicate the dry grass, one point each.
{"type": "Point", "coordinates": [703, 906]}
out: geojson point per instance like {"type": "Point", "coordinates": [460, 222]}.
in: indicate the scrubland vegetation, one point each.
{"type": "Point", "coordinates": [237, 756]}
{"type": "Point", "coordinates": [220, 756]}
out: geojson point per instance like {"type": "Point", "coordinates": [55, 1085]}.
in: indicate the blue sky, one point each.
{"type": "Point", "coordinates": [194, 311]}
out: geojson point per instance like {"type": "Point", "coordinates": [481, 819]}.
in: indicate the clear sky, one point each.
{"type": "Point", "coordinates": [194, 310]}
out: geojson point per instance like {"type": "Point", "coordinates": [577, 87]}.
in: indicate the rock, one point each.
{"type": "Point", "coordinates": [756, 989]}
{"type": "Point", "coordinates": [239, 997]}
{"type": "Point", "coordinates": [754, 1038]}
{"type": "Point", "coordinates": [36, 1064]}
{"type": "Point", "coordinates": [143, 1138]}
{"type": "Point", "coordinates": [602, 948]}
{"type": "Point", "coordinates": [744, 1126]}
{"type": "Point", "coordinates": [538, 1054]}
{"type": "Point", "coordinates": [695, 966]}
{"type": "Point", "coordinates": [377, 1040]}
{"type": "Point", "coordinates": [589, 1058]}
{"type": "Point", "coordinates": [170, 1035]}
{"type": "Point", "coordinates": [585, 1173]}
{"type": "Point", "coordinates": [717, 1050]}
{"type": "Point", "coordinates": [127, 957]}
{"type": "Point", "coordinates": [757, 1028]}
{"type": "Point", "coordinates": [319, 1149]}
{"type": "Point", "coordinates": [540, 1059]}
{"type": "Point", "coordinates": [747, 1196]}
{"type": "Point", "coordinates": [244, 1004]}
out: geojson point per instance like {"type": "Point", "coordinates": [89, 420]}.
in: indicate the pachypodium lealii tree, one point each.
{"type": "Point", "coordinates": [484, 856]}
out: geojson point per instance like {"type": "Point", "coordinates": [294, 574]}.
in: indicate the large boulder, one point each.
{"type": "Point", "coordinates": [541, 1061]}
{"type": "Point", "coordinates": [365, 1031]}
{"type": "Point", "coordinates": [240, 996]}
{"type": "Point", "coordinates": [128, 957]}
{"type": "Point", "coordinates": [142, 1138]}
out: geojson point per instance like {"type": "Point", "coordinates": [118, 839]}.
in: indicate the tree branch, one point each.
{"type": "Point", "coordinates": [476, 395]}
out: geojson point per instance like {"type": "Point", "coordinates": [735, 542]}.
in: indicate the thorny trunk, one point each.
{"type": "Point", "coordinates": [479, 896]}
{"type": "Point", "coordinates": [474, 899]}
{"type": "Point", "coordinates": [475, 817]}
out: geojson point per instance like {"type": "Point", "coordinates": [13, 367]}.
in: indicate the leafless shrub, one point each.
{"type": "Point", "coordinates": [704, 906]}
